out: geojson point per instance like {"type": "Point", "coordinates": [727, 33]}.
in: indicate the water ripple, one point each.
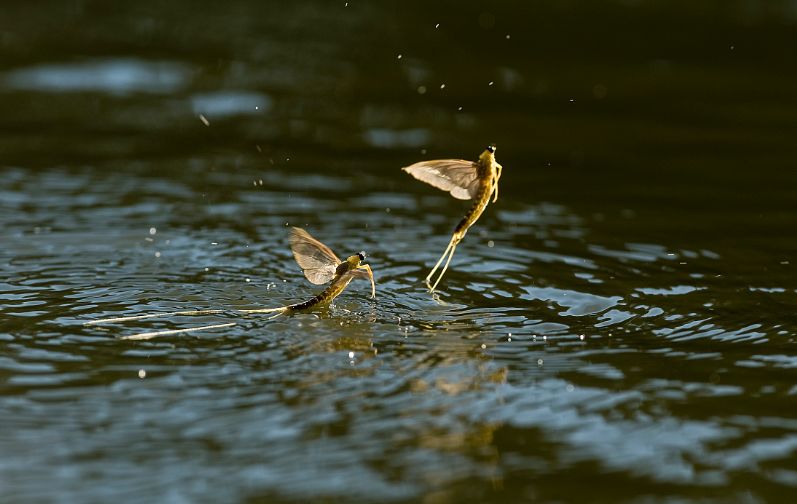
{"type": "Point", "coordinates": [588, 351]}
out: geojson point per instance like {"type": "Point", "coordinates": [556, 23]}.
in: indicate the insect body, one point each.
{"type": "Point", "coordinates": [476, 180]}
{"type": "Point", "coordinates": [320, 266]}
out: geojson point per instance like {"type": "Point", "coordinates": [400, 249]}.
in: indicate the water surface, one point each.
{"type": "Point", "coordinates": [619, 326]}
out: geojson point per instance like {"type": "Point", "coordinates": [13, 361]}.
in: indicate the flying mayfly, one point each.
{"type": "Point", "coordinates": [320, 266]}
{"type": "Point", "coordinates": [476, 180]}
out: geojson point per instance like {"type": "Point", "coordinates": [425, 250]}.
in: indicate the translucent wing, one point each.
{"type": "Point", "coordinates": [457, 176]}
{"type": "Point", "coordinates": [316, 259]}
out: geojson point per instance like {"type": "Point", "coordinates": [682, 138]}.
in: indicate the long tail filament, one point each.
{"type": "Point", "coordinates": [447, 255]}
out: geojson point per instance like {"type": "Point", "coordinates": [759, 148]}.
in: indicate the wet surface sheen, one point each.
{"type": "Point", "coordinates": [619, 326]}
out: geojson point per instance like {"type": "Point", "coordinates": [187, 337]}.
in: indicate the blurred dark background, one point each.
{"type": "Point", "coordinates": [680, 112]}
{"type": "Point", "coordinates": [635, 89]}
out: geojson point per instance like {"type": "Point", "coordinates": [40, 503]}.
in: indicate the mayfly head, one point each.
{"type": "Point", "coordinates": [488, 155]}
{"type": "Point", "coordinates": [356, 259]}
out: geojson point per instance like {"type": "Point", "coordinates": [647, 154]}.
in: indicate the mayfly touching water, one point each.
{"type": "Point", "coordinates": [476, 180]}
{"type": "Point", "coordinates": [320, 266]}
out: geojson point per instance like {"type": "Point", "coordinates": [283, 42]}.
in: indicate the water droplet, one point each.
{"type": "Point", "coordinates": [484, 346]}
{"type": "Point", "coordinates": [581, 337]}
{"type": "Point", "coordinates": [491, 244]}
{"type": "Point", "coordinates": [351, 355]}
{"type": "Point", "coordinates": [142, 374]}
{"type": "Point", "coordinates": [507, 36]}
{"type": "Point", "coordinates": [152, 230]}
{"type": "Point", "coordinates": [248, 280]}
{"type": "Point", "coordinates": [539, 362]}
{"type": "Point", "coordinates": [570, 387]}
{"type": "Point", "coordinates": [387, 210]}
{"type": "Point", "coordinates": [157, 254]}
{"type": "Point", "coordinates": [421, 89]}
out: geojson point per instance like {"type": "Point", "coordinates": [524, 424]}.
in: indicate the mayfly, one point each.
{"type": "Point", "coordinates": [319, 264]}
{"type": "Point", "coordinates": [476, 180]}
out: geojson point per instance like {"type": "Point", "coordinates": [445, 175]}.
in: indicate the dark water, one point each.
{"type": "Point", "coordinates": [619, 327]}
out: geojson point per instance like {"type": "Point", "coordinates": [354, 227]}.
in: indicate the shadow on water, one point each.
{"type": "Point", "coordinates": [622, 317]}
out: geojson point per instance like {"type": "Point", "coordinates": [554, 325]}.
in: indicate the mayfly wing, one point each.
{"type": "Point", "coordinates": [457, 176]}
{"type": "Point", "coordinates": [316, 259]}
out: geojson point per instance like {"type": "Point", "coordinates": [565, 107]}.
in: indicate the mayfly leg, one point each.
{"type": "Point", "coordinates": [367, 268]}
{"type": "Point", "coordinates": [499, 168]}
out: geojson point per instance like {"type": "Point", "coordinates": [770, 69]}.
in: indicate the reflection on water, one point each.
{"type": "Point", "coordinates": [224, 104]}
{"type": "Point", "coordinates": [523, 366]}
{"type": "Point", "coordinates": [622, 317]}
{"type": "Point", "coordinates": [122, 76]}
